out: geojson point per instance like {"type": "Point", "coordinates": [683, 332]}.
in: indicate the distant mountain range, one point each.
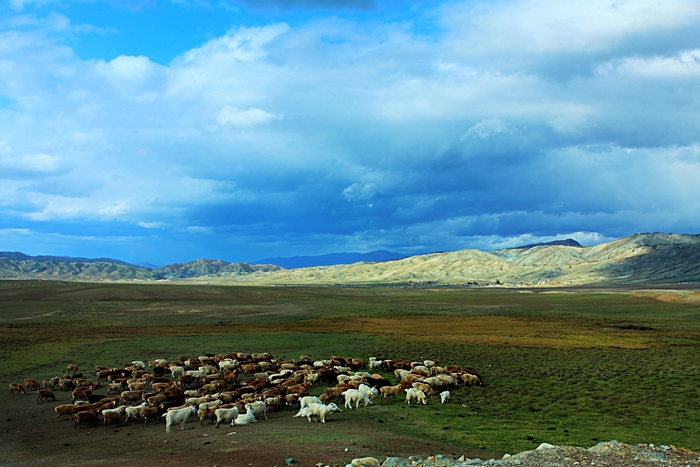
{"type": "Point", "coordinates": [649, 258]}
{"type": "Point", "coordinates": [331, 259]}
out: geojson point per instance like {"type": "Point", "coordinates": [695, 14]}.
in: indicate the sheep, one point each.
{"type": "Point", "coordinates": [368, 391]}
{"type": "Point", "coordinates": [445, 397]}
{"type": "Point", "coordinates": [471, 380]}
{"type": "Point", "coordinates": [116, 387]}
{"type": "Point", "coordinates": [434, 382]}
{"type": "Point", "coordinates": [112, 416]}
{"type": "Point", "coordinates": [45, 394]}
{"type": "Point", "coordinates": [72, 368]}
{"type": "Point", "coordinates": [178, 416]}
{"type": "Point", "coordinates": [374, 364]}
{"type": "Point", "coordinates": [259, 409]}
{"type": "Point", "coordinates": [149, 412]}
{"type": "Point", "coordinates": [65, 409]}
{"type": "Point", "coordinates": [197, 401]}
{"type": "Point", "coordinates": [87, 416]}
{"type": "Point", "coordinates": [225, 415]}
{"type": "Point", "coordinates": [17, 388]}
{"type": "Point", "coordinates": [206, 412]}
{"type": "Point", "coordinates": [274, 404]}
{"type": "Point", "coordinates": [303, 412]}
{"type": "Point", "coordinates": [246, 418]}
{"type": "Point", "coordinates": [131, 396]}
{"type": "Point", "coordinates": [177, 371]}
{"type": "Point", "coordinates": [210, 404]}
{"type": "Point", "coordinates": [306, 400]}
{"type": "Point", "coordinates": [133, 412]}
{"type": "Point", "coordinates": [413, 393]}
{"type": "Point", "coordinates": [425, 388]}
{"type": "Point", "coordinates": [290, 400]}
{"type": "Point", "coordinates": [322, 411]}
{"type": "Point", "coordinates": [31, 383]}
{"type": "Point", "coordinates": [356, 396]}
{"type": "Point", "coordinates": [390, 391]}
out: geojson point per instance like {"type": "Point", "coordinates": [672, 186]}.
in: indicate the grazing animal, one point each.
{"type": "Point", "coordinates": [45, 394]}
{"type": "Point", "coordinates": [178, 416]}
{"type": "Point", "coordinates": [445, 397]}
{"type": "Point", "coordinates": [225, 415]}
{"type": "Point", "coordinates": [321, 411]}
{"type": "Point", "coordinates": [413, 393]}
{"type": "Point", "coordinates": [17, 388]}
{"type": "Point", "coordinates": [246, 418]}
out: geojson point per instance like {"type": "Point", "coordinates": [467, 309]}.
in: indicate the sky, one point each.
{"type": "Point", "coordinates": [164, 131]}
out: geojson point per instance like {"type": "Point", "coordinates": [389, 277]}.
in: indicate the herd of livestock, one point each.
{"type": "Point", "coordinates": [240, 388]}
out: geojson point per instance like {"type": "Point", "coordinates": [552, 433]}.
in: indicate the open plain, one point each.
{"type": "Point", "coordinates": [564, 366]}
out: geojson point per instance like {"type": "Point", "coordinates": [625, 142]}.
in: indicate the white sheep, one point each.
{"type": "Point", "coordinates": [178, 416]}
{"type": "Point", "coordinates": [375, 364]}
{"type": "Point", "coordinates": [259, 409]}
{"type": "Point", "coordinates": [306, 400]}
{"type": "Point", "coordinates": [322, 411]}
{"type": "Point", "coordinates": [368, 391]}
{"type": "Point", "coordinates": [177, 371]}
{"type": "Point", "coordinates": [133, 412]}
{"type": "Point", "coordinates": [356, 396]}
{"type": "Point", "coordinates": [445, 397]}
{"type": "Point", "coordinates": [246, 418]}
{"type": "Point", "coordinates": [210, 404]}
{"type": "Point", "coordinates": [303, 412]}
{"type": "Point", "coordinates": [225, 415]}
{"type": "Point", "coordinates": [413, 393]}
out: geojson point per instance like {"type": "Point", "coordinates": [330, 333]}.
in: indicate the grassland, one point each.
{"type": "Point", "coordinates": [563, 366]}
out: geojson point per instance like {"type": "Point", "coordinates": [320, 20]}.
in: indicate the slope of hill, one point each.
{"type": "Point", "coordinates": [19, 266]}
{"type": "Point", "coordinates": [638, 259]}
{"type": "Point", "coordinates": [210, 267]}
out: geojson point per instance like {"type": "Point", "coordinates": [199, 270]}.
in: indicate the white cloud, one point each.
{"type": "Point", "coordinates": [490, 127]}
{"type": "Point", "coordinates": [244, 118]}
{"type": "Point", "coordinates": [45, 163]}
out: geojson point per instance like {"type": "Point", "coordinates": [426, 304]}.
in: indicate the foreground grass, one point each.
{"type": "Point", "coordinates": [565, 368]}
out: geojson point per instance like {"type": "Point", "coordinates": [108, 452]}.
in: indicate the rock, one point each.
{"type": "Point", "coordinates": [545, 446]}
{"type": "Point", "coordinates": [365, 462]}
{"type": "Point", "coordinates": [396, 462]}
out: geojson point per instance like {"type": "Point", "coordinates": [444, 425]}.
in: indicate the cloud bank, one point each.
{"type": "Point", "coordinates": [497, 124]}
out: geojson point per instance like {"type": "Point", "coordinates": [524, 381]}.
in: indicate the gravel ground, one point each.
{"type": "Point", "coordinates": [611, 453]}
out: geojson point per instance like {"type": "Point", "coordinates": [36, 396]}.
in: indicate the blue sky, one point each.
{"type": "Point", "coordinates": [165, 131]}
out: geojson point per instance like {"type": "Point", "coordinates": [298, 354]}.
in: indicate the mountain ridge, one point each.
{"type": "Point", "coordinates": [646, 258]}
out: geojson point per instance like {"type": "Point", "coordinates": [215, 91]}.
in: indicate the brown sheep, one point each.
{"type": "Point", "coordinates": [18, 388]}
{"type": "Point", "coordinates": [45, 394]}
{"type": "Point", "coordinates": [87, 416]}
{"type": "Point", "coordinates": [65, 409]}
{"type": "Point", "coordinates": [31, 383]}
{"type": "Point", "coordinates": [390, 391]}
{"type": "Point", "coordinates": [149, 412]}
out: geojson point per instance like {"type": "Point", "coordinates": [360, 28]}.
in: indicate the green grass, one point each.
{"type": "Point", "coordinates": [533, 393]}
